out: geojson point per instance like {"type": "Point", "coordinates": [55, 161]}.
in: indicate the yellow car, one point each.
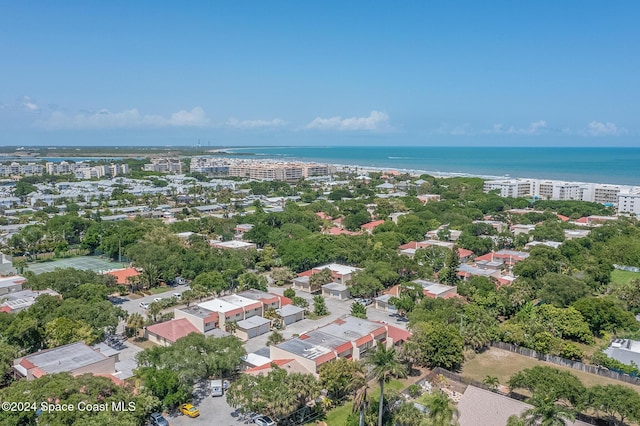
{"type": "Point", "coordinates": [189, 410]}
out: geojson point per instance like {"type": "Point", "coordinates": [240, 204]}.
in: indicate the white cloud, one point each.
{"type": "Point", "coordinates": [131, 118]}
{"type": "Point", "coordinates": [254, 124]}
{"type": "Point", "coordinates": [534, 128]}
{"type": "Point", "coordinates": [29, 104]}
{"type": "Point", "coordinates": [597, 128]}
{"type": "Point", "coordinates": [376, 121]}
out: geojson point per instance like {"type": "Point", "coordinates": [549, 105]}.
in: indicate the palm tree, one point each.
{"type": "Point", "coordinates": [441, 411]}
{"type": "Point", "coordinates": [361, 401]}
{"type": "Point", "coordinates": [492, 382]}
{"type": "Point", "coordinates": [545, 412]}
{"type": "Point", "coordinates": [135, 322]}
{"type": "Point", "coordinates": [385, 365]}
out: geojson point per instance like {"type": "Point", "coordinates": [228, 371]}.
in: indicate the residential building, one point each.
{"type": "Point", "coordinates": [629, 202]}
{"type": "Point", "coordinates": [75, 358]}
{"type": "Point", "coordinates": [341, 274]}
{"type": "Point", "coordinates": [336, 291]}
{"type": "Point", "coordinates": [232, 245]}
{"type": "Point", "coordinates": [482, 407]}
{"type": "Point", "coordinates": [20, 300]}
{"type": "Point", "coordinates": [11, 284]}
{"type": "Point", "coordinates": [168, 332]}
{"type": "Point", "coordinates": [347, 337]}
{"type": "Point", "coordinates": [165, 165]}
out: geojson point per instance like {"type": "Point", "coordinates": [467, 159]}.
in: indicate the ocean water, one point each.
{"type": "Point", "coordinates": [601, 165]}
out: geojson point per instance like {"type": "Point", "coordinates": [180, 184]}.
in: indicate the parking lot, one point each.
{"type": "Point", "coordinates": [213, 411]}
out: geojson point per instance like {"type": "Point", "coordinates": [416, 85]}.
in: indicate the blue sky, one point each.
{"type": "Point", "coordinates": [320, 73]}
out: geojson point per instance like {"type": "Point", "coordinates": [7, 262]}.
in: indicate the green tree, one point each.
{"type": "Point", "coordinates": [62, 388]}
{"type": "Point", "coordinates": [135, 322]}
{"type": "Point", "coordinates": [562, 290]}
{"type": "Point", "coordinates": [603, 315]}
{"type": "Point", "coordinates": [210, 283]}
{"type": "Point", "coordinates": [558, 385]}
{"type": "Point", "coordinates": [282, 275]}
{"type": "Point", "coordinates": [342, 377]}
{"type": "Point", "coordinates": [249, 280]}
{"type": "Point", "coordinates": [275, 338]}
{"type": "Point", "coordinates": [358, 310]}
{"type": "Point", "coordinates": [385, 364]}
{"type": "Point", "coordinates": [7, 354]}
{"type": "Point", "coordinates": [441, 345]}
{"type": "Point", "coordinates": [619, 403]}
{"type": "Point", "coordinates": [277, 394]}
{"type": "Point", "coordinates": [320, 306]}
{"type": "Point", "coordinates": [290, 293]}
{"type": "Point", "coordinates": [318, 279]}
{"type": "Point", "coordinates": [441, 410]}
{"type": "Point", "coordinates": [62, 331]}
{"type": "Point", "coordinates": [545, 412]}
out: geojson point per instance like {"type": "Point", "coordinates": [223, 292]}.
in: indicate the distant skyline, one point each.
{"type": "Point", "coordinates": [320, 74]}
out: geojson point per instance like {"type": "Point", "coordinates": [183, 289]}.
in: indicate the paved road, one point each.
{"type": "Point", "coordinates": [133, 305]}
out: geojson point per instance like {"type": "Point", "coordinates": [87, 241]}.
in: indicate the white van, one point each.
{"type": "Point", "coordinates": [216, 388]}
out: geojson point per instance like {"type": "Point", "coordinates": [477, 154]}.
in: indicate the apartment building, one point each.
{"type": "Point", "coordinates": [560, 190]}
{"type": "Point", "coordinates": [20, 169]}
{"type": "Point", "coordinates": [165, 165]}
{"type": "Point", "coordinates": [347, 337]}
{"type": "Point", "coordinates": [629, 202]}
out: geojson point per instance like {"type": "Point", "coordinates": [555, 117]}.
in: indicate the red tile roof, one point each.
{"type": "Point", "coordinates": [563, 218]}
{"type": "Point", "coordinates": [409, 245]}
{"type": "Point", "coordinates": [340, 231]}
{"type": "Point", "coordinates": [372, 225]}
{"type": "Point", "coordinates": [278, 362]}
{"type": "Point", "coordinates": [122, 274]}
{"type": "Point", "coordinates": [464, 252]}
{"type": "Point", "coordinates": [323, 215]}
{"type": "Point", "coordinates": [397, 334]}
{"type": "Point", "coordinates": [173, 330]}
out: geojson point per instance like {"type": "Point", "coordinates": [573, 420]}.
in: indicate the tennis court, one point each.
{"type": "Point", "coordinates": [83, 262]}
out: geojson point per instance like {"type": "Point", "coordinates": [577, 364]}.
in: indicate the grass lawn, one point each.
{"type": "Point", "coordinates": [503, 364]}
{"type": "Point", "coordinates": [623, 277]}
{"type": "Point", "coordinates": [338, 416]}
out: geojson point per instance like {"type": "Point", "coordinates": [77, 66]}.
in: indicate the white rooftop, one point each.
{"type": "Point", "coordinates": [238, 301]}
{"type": "Point", "coordinates": [338, 268]}
{"type": "Point", "coordinates": [233, 244]}
{"type": "Point", "coordinates": [218, 305]}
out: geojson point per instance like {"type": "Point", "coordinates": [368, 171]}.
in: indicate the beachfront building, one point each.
{"type": "Point", "coordinates": [165, 165]}
{"type": "Point", "coordinates": [629, 202]}
{"type": "Point", "coordinates": [560, 190]}
{"type": "Point", "coordinates": [285, 171]}
{"type": "Point", "coordinates": [20, 169]}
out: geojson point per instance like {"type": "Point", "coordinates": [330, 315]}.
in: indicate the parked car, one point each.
{"type": "Point", "coordinates": [158, 299]}
{"type": "Point", "coordinates": [263, 421]}
{"type": "Point", "coordinates": [144, 305]}
{"type": "Point", "coordinates": [177, 296]}
{"type": "Point", "coordinates": [156, 419]}
{"type": "Point", "coordinates": [189, 410]}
